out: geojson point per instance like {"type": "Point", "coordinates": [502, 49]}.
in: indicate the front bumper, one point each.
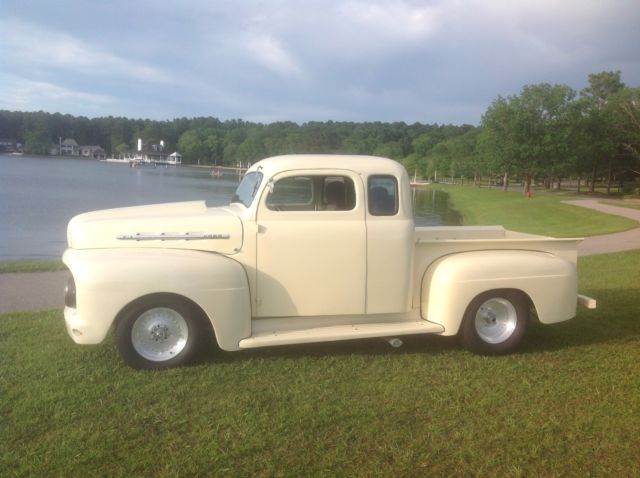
{"type": "Point", "coordinates": [81, 331]}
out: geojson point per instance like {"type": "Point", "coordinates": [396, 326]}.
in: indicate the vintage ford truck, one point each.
{"type": "Point", "coordinates": [312, 248]}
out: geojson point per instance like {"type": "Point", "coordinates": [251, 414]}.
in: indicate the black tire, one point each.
{"type": "Point", "coordinates": [160, 332]}
{"type": "Point", "coordinates": [495, 322]}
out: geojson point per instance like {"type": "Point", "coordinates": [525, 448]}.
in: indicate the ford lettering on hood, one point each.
{"type": "Point", "coordinates": [184, 225]}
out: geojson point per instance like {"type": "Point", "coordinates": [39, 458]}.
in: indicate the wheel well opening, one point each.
{"type": "Point", "coordinates": [519, 292]}
{"type": "Point", "coordinates": [164, 297]}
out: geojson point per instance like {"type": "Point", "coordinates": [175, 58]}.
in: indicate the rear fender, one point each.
{"type": "Point", "coordinates": [452, 282]}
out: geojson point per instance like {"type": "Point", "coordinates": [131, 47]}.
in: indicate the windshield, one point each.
{"type": "Point", "coordinates": [247, 188]}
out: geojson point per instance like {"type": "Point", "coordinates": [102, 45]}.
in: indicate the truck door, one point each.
{"type": "Point", "coordinates": [311, 245]}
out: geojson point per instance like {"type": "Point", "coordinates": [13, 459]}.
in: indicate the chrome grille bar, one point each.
{"type": "Point", "coordinates": [166, 236]}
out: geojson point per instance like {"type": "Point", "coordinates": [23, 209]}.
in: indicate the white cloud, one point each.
{"type": "Point", "coordinates": [36, 48]}
{"type": "Point", "coordinates": [396, 21]}
{"type": "Point", "coordinates": [268, 51]}
{"type": "Point", "coordinates": [24, 94]}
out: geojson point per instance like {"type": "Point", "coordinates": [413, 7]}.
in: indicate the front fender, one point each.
{"type": "Point", "coordinates": [107, 280]}
{"type": "Point", "coordinates": [452, 282]}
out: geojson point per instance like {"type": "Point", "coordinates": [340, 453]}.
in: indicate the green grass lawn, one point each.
{"type": "Point", "coordinates": [542, 214]}
{"type": "Point", "coordinates": [568, 404]}
{"type": "Point", "coordinates": [31, 266]}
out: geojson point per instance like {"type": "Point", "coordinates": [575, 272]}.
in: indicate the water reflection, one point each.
{"type": "Point", "coordinates": [39, 195]}
{"type": "Point", "coordinates": [431, 207]}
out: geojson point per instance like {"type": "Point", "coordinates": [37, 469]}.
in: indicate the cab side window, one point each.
{"type": "Point", "coordinates": [383, 195]}
{"type": "Point", "coordinates": [312, 193]}
{"type": "Point", "coordinates": [292, 194]}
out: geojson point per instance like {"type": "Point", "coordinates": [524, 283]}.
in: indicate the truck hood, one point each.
{"type": "Point", "coordinates": [183, 225]}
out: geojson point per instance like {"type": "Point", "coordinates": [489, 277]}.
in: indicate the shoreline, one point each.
{"type": "Point", "coordinates": [598, 244]}
{"type": "Point", "coordinates": [31, 265]}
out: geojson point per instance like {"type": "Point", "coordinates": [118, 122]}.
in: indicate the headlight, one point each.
{"type": "Point", "coordinates": [70, 293]}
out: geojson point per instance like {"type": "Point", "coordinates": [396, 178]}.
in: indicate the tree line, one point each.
{"type": "Point", "coordinates": [212, 141]}
{"type": "Point", "coordinates": [547, 133]}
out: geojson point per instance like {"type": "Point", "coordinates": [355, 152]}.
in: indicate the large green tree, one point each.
{"type": "Point", "coordinates": [626, 106]}
{"type": "Point", "coordinates": [498, 141]}
{"type": "Point", "coordinates": [598, 122]}
{"type": "Point", "coordinates": [544, 129]}
{"type": "Point", "coordinates": [527, 134]}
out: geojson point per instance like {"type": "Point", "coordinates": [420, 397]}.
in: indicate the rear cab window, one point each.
{"type": "Point", "coordinates": [383, 195]}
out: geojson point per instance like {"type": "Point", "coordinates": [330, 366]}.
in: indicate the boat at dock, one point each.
{"type": "Point", "coordinates": [137, 159]}
{"type": "Point", "coordinates": [419, 184]}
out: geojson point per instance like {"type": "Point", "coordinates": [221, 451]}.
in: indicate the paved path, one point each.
{"type": "Point", "coordinates": [606, 208]}
{"type": "Point", "coordinates": [22, 291]}
{"type": "Point", "coordinates": [32, 291]}
{"type": "Point", "coordinates": [620, 241]}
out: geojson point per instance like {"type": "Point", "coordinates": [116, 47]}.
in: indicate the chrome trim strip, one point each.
{"type": "Point", "coordinates": [187, 236]}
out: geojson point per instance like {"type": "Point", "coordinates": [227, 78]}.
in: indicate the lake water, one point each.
{"type": "Point", "coordinates": [38, 197]}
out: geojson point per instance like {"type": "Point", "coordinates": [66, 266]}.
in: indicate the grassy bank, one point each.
{"type": "Point", "coordinates": [542, 214]}
{"type": "Point", "coordinates": [31, 266]}
{"type": "Point", "coordinates": [567, 404]}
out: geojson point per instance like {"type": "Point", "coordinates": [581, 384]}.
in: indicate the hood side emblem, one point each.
{"type": "Point", "coordinates": [165, 236]}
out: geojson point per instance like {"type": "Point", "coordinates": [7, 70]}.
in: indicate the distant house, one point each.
{"type": "Point", "coordinates": [94, 152]}
{"type": "Point", "coordinates": [68, 147]}
{"type": "Point", "coordinates": [153, 152]}
{"type": "Point", "coordinates": [8, 145]}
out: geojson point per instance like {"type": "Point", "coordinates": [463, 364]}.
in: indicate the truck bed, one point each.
{"type": "Point", "coordinates": [432, 243]}
{"type": "Point", "coordinates": [468, 238]}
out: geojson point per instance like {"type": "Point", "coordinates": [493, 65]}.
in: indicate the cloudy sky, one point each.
{"type": "Point", "coordinates": [270, 60]}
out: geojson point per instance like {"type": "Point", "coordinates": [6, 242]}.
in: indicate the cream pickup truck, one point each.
{"type": "Point", "coordinates": [312, 248]}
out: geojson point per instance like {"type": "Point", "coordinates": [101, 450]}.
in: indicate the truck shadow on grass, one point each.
{"type": "Point", "coordinates": [344, 348]}
{"type": "Point", "coordinates": [617, 319]}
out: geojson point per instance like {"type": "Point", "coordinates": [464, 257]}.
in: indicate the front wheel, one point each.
{"type": "Point", "coordinates": [159, 333]}
{"type": "Point", "coordinates": [495, 322]}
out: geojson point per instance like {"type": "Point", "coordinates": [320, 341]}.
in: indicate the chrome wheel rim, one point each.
{"type": "Point", "coordinates": [496, 320]}
{"type": "Point", "coordinates": [159, 334]}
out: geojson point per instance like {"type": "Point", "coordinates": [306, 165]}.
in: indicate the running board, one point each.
{"type": "Point", "coordinates": [339, 332]}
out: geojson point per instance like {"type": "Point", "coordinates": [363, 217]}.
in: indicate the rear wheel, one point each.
{"type": "Point", "coordinates": [495, 322]}
{"type": "Point", "coordinates": [159, 332]}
